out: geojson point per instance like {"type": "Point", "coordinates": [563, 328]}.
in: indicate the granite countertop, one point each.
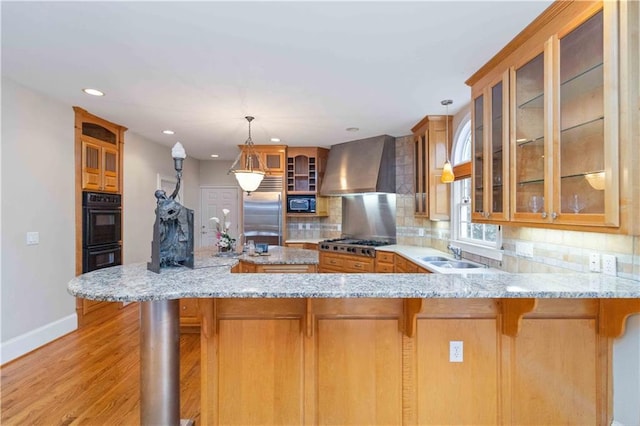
{"type": "Point", "coordinates": [283, 256]}
{"type": "Point", "coordinates": [212, 278]}
{"type": "Point", "coordinates": [415, 254]}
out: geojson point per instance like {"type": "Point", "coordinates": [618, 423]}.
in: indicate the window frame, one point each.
{"type": "Point", "coordinates": [462, 159]}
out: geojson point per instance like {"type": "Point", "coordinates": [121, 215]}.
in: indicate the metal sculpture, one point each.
{"type": "Point", "coordinates": [172, 243]}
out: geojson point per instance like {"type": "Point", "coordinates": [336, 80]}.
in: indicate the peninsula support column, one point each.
{"type": "Point", "coordinates": [160, 363]}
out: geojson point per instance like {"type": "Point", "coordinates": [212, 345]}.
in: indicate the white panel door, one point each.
{"type": "Point", "coordinates": [212, 201]}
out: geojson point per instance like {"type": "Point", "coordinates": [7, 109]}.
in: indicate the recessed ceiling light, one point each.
{"type": "Point", "coordinates": [93, 92]}
{"type": "Point", "coordinates": [275, 139]}
{"type": "Point", "coordinates": [352, 129]}
{"type": "Point", "coordinates": [168, 132]}
{"type": "Point", "coordinates": [214, 156]}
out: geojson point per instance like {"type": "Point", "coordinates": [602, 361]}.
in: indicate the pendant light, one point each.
{"type": "Point", "coordinates": [251, 175]}
{"type": "Point", "coordinates": [447, 170]}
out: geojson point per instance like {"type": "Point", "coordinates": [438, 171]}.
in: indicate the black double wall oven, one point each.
{"type": "Point", "coordinates": [101, 230]}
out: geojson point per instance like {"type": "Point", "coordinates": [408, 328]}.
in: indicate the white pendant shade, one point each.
{"type": "Point", "coordinates": [249, 180]}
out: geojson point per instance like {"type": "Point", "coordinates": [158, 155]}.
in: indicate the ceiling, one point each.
{"type": "Point", "coordinates": [305, 70]}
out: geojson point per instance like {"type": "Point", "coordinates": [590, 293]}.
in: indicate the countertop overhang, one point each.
{"type": "Point", "coordinates": [133, 282]}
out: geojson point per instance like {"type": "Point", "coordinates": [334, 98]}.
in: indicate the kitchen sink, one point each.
{"type": "Point", "coordinates": [433, 259]}
{"type": "Point", "coordinates": [454, 264]}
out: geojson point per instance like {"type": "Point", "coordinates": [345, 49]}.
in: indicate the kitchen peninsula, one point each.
{"type": "Point", "coordinates": [374, 348]}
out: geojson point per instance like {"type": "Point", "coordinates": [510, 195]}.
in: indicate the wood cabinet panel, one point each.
{"type": "Point", "coordinates": [286, 269]}
{"type": "Point", "coordinates": [554, 380]}
{"type": "Point", "coordinates": [472, 384]}
{"type": "Point", "coordinates": [189, 316]}
{"type": "Point", "coordinates": [385, 262]}
{"type": "Point", "coordinates": [335, 262]}
{"type": "Point", "coordinates": [272, 157]}
{"type": "Point", "coordinates": [432, 197]}
{"type": "Point", "coordinates": [403, 265]}
{"type": "Point", "coordinates": [260, 372]}
{"type": "Point", "coordinates": [351, 362]}
{"type": "Point", "coordinates": [359, 379]}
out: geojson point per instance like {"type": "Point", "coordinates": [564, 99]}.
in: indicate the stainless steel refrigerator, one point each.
{"type": "Point", "coordinates": [262, 212]}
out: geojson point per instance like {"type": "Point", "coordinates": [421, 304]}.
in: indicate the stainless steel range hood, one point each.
{"type": "Point", "coordinates": [361, 166]}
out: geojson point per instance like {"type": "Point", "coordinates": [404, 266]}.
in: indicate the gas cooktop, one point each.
{"type": "Point", "coordinates": [360, 247]}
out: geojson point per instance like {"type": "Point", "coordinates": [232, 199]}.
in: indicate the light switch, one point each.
{"type": "Point", "coordinates": [33, 238]}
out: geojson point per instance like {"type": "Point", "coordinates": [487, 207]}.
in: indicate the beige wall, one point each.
{"type": "Point", "coordinates": [37, 195]}
{"type": "Point", "coordinates": [214, 173]}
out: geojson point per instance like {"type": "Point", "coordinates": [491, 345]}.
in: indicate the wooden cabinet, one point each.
{"type": "Point", "coordinates": [362, 361]}
{"type": "Point", "coordinates": [345, 263]}
{"type": "Point", "coordinates": [431, 146]}
{"type": "Point", "coordinates": [305, 171]}
{"type": "Point", "coordinates": [403, 265]}
{"type": "Point", "coordinates": [490, 151]}
{"type": "Point", "coordinates": [562, 117]}
{"type": "Point", "coordinates": [272, 157]}
{"type": "Point", "coordinates": [248, 268]}
{"type": "Point", "coordinates": [189, 316]}
{"type": "Point", "coordinates": [306, 246]}
{"type": "Point", "coordinates": [99, 145]}
{"type": "Point", "coordinates": [384, 262]}
{"type": "Point", "coordinates": [565, 157]}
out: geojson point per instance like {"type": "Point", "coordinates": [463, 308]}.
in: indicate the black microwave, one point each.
{"type": "Point", "coordinates": [301, 203]}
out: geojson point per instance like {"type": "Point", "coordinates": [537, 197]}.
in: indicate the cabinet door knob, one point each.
{"type": "Point", "coordinates": [544, 215]}
{"type": "Point", "coordinates": [554, 215]}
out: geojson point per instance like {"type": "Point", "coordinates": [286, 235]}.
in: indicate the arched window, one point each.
{"type": "Point", "coordinates": [477, 238]}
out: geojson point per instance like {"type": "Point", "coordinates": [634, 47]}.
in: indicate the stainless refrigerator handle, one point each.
{"type": "Point", "coordinates": [280, 219]}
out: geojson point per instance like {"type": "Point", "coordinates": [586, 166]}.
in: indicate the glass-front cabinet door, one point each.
{"type": "Point", "coordinates": [565, 144]}
{"type": "Point", "coordinates": [585, 190]}
{"type": "Point", "coordinates": [491, 152]}
{"type": "Point", "coordinates": [529, 135]}
{"type": "Point", "coordinates": [477, 120]}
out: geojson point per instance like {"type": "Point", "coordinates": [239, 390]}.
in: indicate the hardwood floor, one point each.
{"type": "Point", "coordinates": [91, 377]}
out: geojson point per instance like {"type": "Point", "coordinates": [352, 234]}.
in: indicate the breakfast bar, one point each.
{"type": "Point", "coordinates": [375, 348]}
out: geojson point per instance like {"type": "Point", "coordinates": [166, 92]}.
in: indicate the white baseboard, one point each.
{"type": "Point", "coordinates": [20, 345]}
{"type": "Point", "coordinates": [614, 423]}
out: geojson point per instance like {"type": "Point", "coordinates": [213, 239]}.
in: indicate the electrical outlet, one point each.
{"type": "Point", "coordinates": [455, 351]}
{"type": "Point", "coordinates": [594, 262]}
{"type": "Point", "coordinates": [609, 264]}
{"type": "Point", "coordinates": [524, 249]}
{"type": "Point", "coordinates": [33, 238]}
{"type": "Point", "coordinates": [300, 226]}
{"type": "Point", "coordinates": [308, 226]}
{"type": "Point", "coordinates": [421, 232]}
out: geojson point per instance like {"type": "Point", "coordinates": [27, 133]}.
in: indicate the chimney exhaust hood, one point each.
{"type": "Point", "coordinates": [361, 166]}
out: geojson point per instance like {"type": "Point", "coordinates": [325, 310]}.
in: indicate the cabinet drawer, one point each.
{"type": "Point", "coordinates": [332, 261]}
{"type": "Point", "coordinates": [384, 268]}
{"type": "Point", "coordinates": [365, 265]}
{"type": "Point", "coordinates": [404, 266]}
{"type": "Point", "coordinates": [385, 257]}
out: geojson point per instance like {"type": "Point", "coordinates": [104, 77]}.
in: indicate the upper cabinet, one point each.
{"type": "Point", "coordinates": [272, 157]}
{"type": "Point", "coordinates": [99, 147]}
{"type": "Point", "coordinates": [545, 123]}
{"type": "Point", "coordinates": [305, 169]}
{"type": "Point", "coordinates": [432, 140]}
{"type": "Point", "coordinates": [490, 151]}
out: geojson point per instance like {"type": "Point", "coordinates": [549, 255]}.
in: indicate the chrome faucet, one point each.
{"type": "Point", "coordinates": [457, 251]}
